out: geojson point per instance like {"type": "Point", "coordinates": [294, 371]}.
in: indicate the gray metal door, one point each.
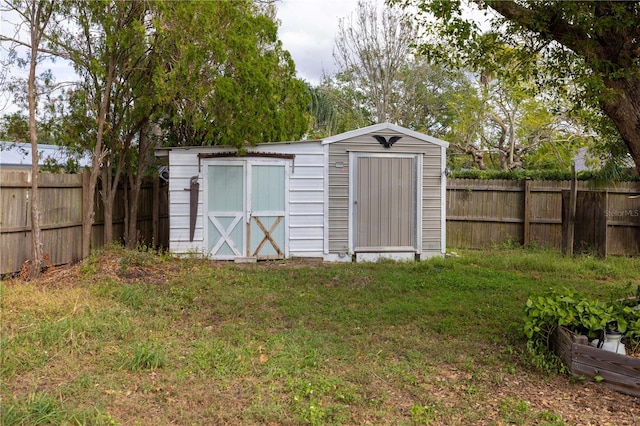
{"type": "Point", "coordinates": [385, 203]}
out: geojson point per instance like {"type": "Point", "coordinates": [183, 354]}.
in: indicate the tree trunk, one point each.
{"type": "Point", "coordinates": [132, 236]}
{"type": "Point", "coordinates": [107, 203]}
{"type": "Point", "coordinates": [89, 213]}
{"type": "Point", "coordinates": [127, 212]}
{"type": "Point", "coordinates": [624, 111]}
{"type": "Point", "coordinates": [36, 238]}
{"type": "Point", "coordinates": [144, 145]}
{"type": "Point", "coordinates": [475, 153]}
{"type": "Point", "coordinates": [504, 162]}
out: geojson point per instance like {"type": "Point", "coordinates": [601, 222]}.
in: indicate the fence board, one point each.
{"type": "Point", "coordinates": [61, 198]}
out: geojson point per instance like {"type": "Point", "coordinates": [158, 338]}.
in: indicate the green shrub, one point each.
{"type": "Point", "coordinates": [579, 314]}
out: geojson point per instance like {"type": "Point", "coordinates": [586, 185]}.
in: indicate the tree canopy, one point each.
{"type": "Point", "coordinates": [589, 51]}
{"type": "Point", "coordinates": [380, 79]}
{"type": "Point", "coordinates": [233, 83]}
{"type": "Point", "coordinates": [188, 72]}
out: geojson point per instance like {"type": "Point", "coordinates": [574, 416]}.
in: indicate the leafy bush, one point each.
{"type": "Point", "coordinates": [579, 314]}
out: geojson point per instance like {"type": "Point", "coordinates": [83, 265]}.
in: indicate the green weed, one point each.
{"type": "Point", "coordinates": [146, 356]}
{"type": "Point", "coordinates": [40, 408]}
{"type": "Point", "coordinates": [518, 412]}
{"type": "Point", "coordinates": [132, 296]}
{"type": "Point", "coordinates": [422, 414]}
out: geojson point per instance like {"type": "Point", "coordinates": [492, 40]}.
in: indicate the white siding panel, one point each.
{"type": "Point", "coordinates": [182, 234]}
{"type": "Point", "coordinates": [316, 160]}
{"type": "Point", "coordinates": [314, 184]}
{"type": "Point", "coordinates": [306, 196]}
{"type": "Point", "coordinates": [302, 221]}
{"type": "Point", "coordinates": [188, 157]}
{"type": "Point", "coordinates": [305, 245]}
{"type": "Point", "coordinates": [181, 184]}
{"type": "Point", "coordinates": [301, 233]}
{"type": "Point", "coordinates": [182, 222]}
{"type": "Point", "coordinates": [182, 198]}
{"type": "Point", "coordinates": [306, 209]}
{"type": "Point", "coordinates": [182, 166]}
{"type": "Point", "coordinates": [316, 172]}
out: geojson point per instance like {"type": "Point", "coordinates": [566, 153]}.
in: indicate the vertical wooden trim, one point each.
{"type": "Point", "coordinates": [526, 237]}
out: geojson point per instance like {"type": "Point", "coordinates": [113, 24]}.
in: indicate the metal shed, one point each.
{"type": "Point", "coordinates": [378, 191]}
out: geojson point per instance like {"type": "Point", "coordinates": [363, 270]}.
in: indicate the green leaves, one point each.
{"type": "Point", "coordinates": [227, 81]}
{"type": "Point", "coordinates": [578, 313]}
{"type": "Point", "coordinates": [583, 52]}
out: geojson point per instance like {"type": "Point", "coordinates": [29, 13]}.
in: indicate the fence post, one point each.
{"type": "Point", "coordinates": [526, 239]}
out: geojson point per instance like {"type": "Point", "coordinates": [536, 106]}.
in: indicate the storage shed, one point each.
{"type": "Point", "coordinates": [378, 191]}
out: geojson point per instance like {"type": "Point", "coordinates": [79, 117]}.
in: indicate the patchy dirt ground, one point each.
{"type": "Point", "coordinates": [578, 402]}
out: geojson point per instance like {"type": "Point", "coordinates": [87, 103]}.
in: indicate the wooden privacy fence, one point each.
{"type": "Point", "coordinates": [61, 198]}
{"type": "Point", "coordinates": [481, 213]}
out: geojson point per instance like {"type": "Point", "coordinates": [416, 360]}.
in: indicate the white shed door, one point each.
{"type": "Point", "coordinates": [267, 204]}
{"type": "Point", "coordinates": [226, 209]}
{"type": "Point", "coordinates": [246, 211]}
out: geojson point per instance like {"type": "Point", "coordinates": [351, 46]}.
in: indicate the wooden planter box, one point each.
{"type": "Point", "coordinates": [619, 372]}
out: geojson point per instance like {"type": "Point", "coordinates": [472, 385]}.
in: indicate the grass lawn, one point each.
{"type": "Point", "coordinates": [130, 337]}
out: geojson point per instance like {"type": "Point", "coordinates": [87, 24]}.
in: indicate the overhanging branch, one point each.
{"type": "Point", "coordinates": [550, 25]}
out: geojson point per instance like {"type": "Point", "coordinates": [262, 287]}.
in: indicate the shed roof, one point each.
{"type": "Point", "coordinates": [164, 151]}
{"type": "Point", "coordinates": [381, 127]}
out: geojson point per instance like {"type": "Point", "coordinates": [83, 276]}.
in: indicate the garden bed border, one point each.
{"type": "Point", "coordinates": [619, 372]}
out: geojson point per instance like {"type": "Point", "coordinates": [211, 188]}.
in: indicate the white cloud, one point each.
{"type": "Point", "coordinates": [308, 30]}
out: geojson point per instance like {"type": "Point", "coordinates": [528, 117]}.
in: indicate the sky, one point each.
{"type": "Point", "coordinates": [308, 30]}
